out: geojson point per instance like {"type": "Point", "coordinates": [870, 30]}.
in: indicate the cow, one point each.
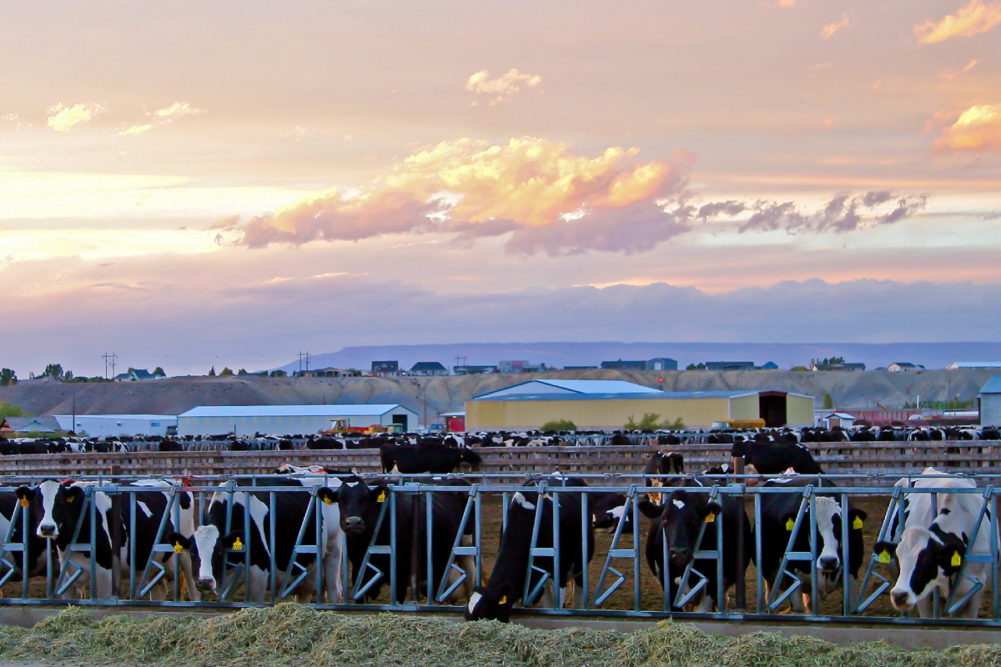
{"type": "Point", "coordinates": [678, 522]}
{"type": "Point", "coordinates": [360, 506]}
{"type": "Point", "coordinates": [608, 510]}
{"type": "Point", "coordinates": [507, 583]}
{"type": "Point", "coordinates": [224, 531]}
{"type": "Point", "coordinates": [778, 518]}
{"type": "Point", "coordinates": [775, 458]}
{"type": "Point", "coordinates": [934, 542]}
{"type": "Point", "coordinates": [62, 514]}
{"type": "Point", "coordinates": [427, 456]}
{"type": "Point", "coordinates": [35, 546]}
{"type": "Point", "coordinates": [659, 464]}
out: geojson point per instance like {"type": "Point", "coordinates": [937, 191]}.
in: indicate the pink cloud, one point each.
{"type": "Point", "coordinates": [976, 129]}
{"type": "Point", "coordinates": [973, 18]}
{"type": "Point", "coordinates": [832, 29]}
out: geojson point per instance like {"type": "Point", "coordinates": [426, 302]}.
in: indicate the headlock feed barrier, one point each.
{"type": "Point", "coordinates": [118, 547]}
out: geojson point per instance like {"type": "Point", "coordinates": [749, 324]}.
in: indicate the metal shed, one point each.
{"type": "Point", "coordinates": [289, 419]}
{"type": "Point", "coordinates": [608, 405]}
{"type": "Point", "coordinates": [102, 426]}
{"type": "Point", "coordinates": [990, 402]}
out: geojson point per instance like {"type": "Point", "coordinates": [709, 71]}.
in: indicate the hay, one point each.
{"type": "Point", "coordinates": [293, 634]}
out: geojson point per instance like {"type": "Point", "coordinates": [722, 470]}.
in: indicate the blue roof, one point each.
{"type": "Point", "coordinates": [653, 395]}
{"type": "Point", "coordinates": [566, 388]}
{"type": "Point", "coordinates": [993, 386]}
{"type": "Point", "coordinates": [360, 410]}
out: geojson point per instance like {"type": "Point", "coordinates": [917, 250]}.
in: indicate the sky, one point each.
{"type": "Point", "coordinates": [228, 184]}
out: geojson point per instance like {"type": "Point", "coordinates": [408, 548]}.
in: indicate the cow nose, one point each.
{"type": "Point", "coordinates": [680, 555]}
{"type": "Point", "coordinates": [899, 599]}
{"type": "Point", "coordinates": [354, 524]}
{"type": "Point", "coordinates": [828, 563]}
{"type": "Point", "coordinates": [47, 530]}
{"type": "Point", "coordinates": [205, 583]}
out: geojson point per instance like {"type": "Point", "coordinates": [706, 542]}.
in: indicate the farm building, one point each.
{"type": "Point", "coordinates": [608, 405]}
{"type": "Point", "coordinates": [990, 402]}
{"type": "Point", "coordinates": [289, 419]}
{"type": "Point", "coordinates": [101, 426]}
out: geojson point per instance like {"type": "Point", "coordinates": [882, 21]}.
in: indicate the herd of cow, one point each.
{"type": "Point", "coordinates": [294, 533]}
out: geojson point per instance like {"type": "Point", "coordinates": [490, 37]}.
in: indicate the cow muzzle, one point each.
{"type": "Point", "coordinates": [901, 600]}
{"type": "Point", "coordinates": [828, 563]}
{"type": "Point", "coordinates": [680, 556]}
{"type": "Point", "coordinates": [354, 525]}
{"type": "Point", "coordinates": [205, 584]}
{"type": "Point", "coordinates": [48, 530]}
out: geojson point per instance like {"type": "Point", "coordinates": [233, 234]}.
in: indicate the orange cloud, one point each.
{"type": "Point", "coordinates": [831, 29]}
{"type": "Point", "coordinates": [64, 118]}
{"type": "Point", "coordinates": [474, 189]}
{"type": "Point", "coordinates": [977, 128]}
{"type": "Point", "coordinates": [503, 87]}
{"type": "Point", "coordinates": [971, 19]}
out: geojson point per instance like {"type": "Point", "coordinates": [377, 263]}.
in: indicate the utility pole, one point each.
{"type": "Point", "coordinates": [109, 357]}
{"type": "Point", "coordinates": [303, 355]}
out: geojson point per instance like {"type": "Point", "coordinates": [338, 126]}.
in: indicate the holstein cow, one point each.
{"type": "Point", "coordinates": [62, 508]}
{"type": "Point", "coordinates": [775, 458]}
{"type": "Point", "coordinates": [432, 457]}
{"type": "Point", "coordinates": [506, 585]}
{"type": "Point", "coordinates": [360, 506]}
{"type": "Point", "coordinates": [934, 544]}
{"type": "Point", "coordinates": [219, 547]}
{"type": "Point", "coordinates": [678, 523]}
{"type": "Point", "coordinates": [659, 464]}
{"type": "Point", "coordinates": [35, 546]}
{"type": "Point", "coordinates": [778, 517]}
{"type": "Point", "coordinates": [608, 510]}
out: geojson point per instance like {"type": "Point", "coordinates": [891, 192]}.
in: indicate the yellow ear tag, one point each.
{"type": "Point", "coordinates": [327, 500]}
{"type": "Point", "coordinates": [178, 549]}
{"type": "Point", "coordinates": [503, 600]}
{"type": "Point", "coordinates": [884, 556]}
{"type": "Point", "coordinates": [790, 524]}
{"type": "Point", "coordinates": [957, 560]}
{"type": "Point", "coordinates": [237, 545]}
{"type": "Point", "coordinates": [381, 498]}
{"type": "Point", "coordinates": [69, 499]}
{"type": "Point", "coordinates": [857, 523]}
{"type": "Point", "coordinates": [25, 502]}
{"type": "Point", "coordinates": [710, 517]}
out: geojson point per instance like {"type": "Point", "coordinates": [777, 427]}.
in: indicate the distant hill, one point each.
{"type": "Point", "coordinates": [560, 355]}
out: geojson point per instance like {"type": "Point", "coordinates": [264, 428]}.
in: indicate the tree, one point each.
{"type": "Point", "coordinates": [212, 372]}
{"type": "Point", "coordinates": [11, 410]}
{"type": "Point", "coordinates": [54, 371]}
{"type": "Point", "coordinates": [242, 371]}
{"type": "Point", "coordinates": [279, 374]}
{"type": "Point", "coordinates": [159, 371]}
{"type": "Point", "coordinates": [559, 425]}
{"type": "Point", "coordinates": [7, 376]}
{"type": "Point", "coordinates": [226, 371]}
{"type": "Point", "coordinates": [828, 401]}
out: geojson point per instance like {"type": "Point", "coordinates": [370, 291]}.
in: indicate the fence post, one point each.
{"type": "Point", "coordinates": [739, 586]}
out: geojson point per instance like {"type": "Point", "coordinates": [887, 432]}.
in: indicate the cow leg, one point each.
{"type": "Point", "coordinates": [973, 605]}
{"type": "Point", "coordinates": [188, 578]}
{"type": "Point", "coordinates": [332, 584]}
{"type": "Point", "coordinates": [258, 585]}
{"type": "Point", "coordinates": [926, 608]}
{"type": "Point", "coordinates": [468, 565]}
{"type": "Point", "coordinates": [800, 603]}
{"type": "Point", "coordinates": [705, 604]}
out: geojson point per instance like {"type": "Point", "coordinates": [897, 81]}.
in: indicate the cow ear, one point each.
{"type": "Point", "coordinates": [885, 551]}
{"type": "Point", "coordinates": [24, 495]}
{"type": "Point", "coordinates": [855, 518]}
{"type": "Point", "coordinates": [327, 495]}
{"type": "Point", "coordinates": [711, 511]}
{"type": "Point", "coordinates": [179, 542]}
{"type": "Point", "coordinates": [649, 509]}
{"type": "Point", "coordinates": [680, 494]}
{"type": "Point", "coordinates": [72, 493]}
{"type": "Point", "coordinates": [379, 493]}
{"type": "Point", "coordinates": [951, 554]}
{"type": "Point", "coordinates": [789, 521]}
{"type": "Point", "coordinates": [234, 541]}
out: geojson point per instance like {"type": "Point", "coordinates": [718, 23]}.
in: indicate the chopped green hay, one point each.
{"type": "Point", "coordinates": [293, 634]}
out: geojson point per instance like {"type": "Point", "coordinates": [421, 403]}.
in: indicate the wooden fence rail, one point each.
{"type": "Point", "coordinates": [863, 458]}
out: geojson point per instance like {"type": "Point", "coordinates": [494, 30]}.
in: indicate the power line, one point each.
{"type": "Point", "coordinates": [109, 358]}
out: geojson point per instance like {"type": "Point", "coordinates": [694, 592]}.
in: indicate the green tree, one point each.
{"type": "Point", "coordinates": [7, 376]}
{"type": "Point", "coordinates": [212, 372]}
{"type": "Point", "coordinates": [559, 425]}
{"type": "Point", "coordinates": [11, 410]}
{"type": "Point", "coordinates": [242, 371]}
{"type": "Point", "coordinates": [54, 371]}
{"type": "Point", "coordinates": [226, 371]}
{"type": "Point", "coordinates": [278, 374]}
{"type": "Point", "coordinates": [828, 401]}
{"type": "Point", "coordinates": [159, 371]}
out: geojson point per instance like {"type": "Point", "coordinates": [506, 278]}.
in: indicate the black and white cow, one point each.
{"type": "Point", "coordinates": [678, 523]}
{"type": "Point", "coordinates": [219, 546]}
{"type": "Point", "coordinates": [360, 506]}
{"type": "Point", "coordinates": [506, 585]}
{"type": "Point", "coordinates": [63, 510]}
{"type": "Point", "coordinates": [934, 543]}
{"type": "Point", "coordinates": [35, 546]}
{"type": "Point", "coordinates": [778, 515]}
{"type": "Point", "coordinates": [610, 509]}
{"type": "Point", "coordinates": [775, 458]}
{"type": "Point", "coordinates": [659, 465]}
{"type": "Point", "coordinates": [427, 456]}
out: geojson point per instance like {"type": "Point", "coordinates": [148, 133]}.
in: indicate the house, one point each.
{"type": "Point", "coordinates": [428, 368]}
{"type": "Point", "coordinates": [136, 374]}
{"type": "Point", "coordinates": [385, 368]}
{"type": "Point", "coordinates": [473, 370]}
{"type": "Point", "coordinates": [625, 365]}
{"type": "Point", "coordinates": [658, 364]}
{"type": "Point", "coordinates": [43, 424]}
{"type": "Point", "coordinates": [989, 399]}
{"type": "Point", "coordinates": [973, 364]}
{"type": "Point", "coordinates": [768, 366]}
{"type": "Point", "coordinates": [328, 372]}
{"type": "Point", "coordinates": [839, 419]}
{"type": "Point", "coordinates": [904, 366]}
{"type": "Point", "coordinates": [518, 366]}
{"type": "Point", "coordinates": [729, 365]}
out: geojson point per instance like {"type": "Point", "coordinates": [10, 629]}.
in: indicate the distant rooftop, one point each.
{"type": "Point", "coordinates": [290, 410]}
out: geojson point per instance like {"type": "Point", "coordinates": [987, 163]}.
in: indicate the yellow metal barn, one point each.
{"type": "Point", "coordinates": [608, 405]}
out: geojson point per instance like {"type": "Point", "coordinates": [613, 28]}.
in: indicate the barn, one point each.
{"type": "Point", "coordinates": [990, 402]}
{"type": "Point", "coordinates": [103, 426]}
{"type": "Point", "coordinates": [246, 420]}
{"type": "Point", "coordinates": [610, 404]}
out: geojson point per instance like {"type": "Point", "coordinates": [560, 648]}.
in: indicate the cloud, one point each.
{"type": "Point", "coordinates": [63, 118]}
{"type": "Point", "coordinates": [162, 117]}
{"type": "Point", "coordinates": [949, 75]}
{"type": "Point", "coordinates": [976, 129]}
{"type": "Point", "coordinates": [831, 29]}
{"type": "Point", "coordinates": [503, 87]}
{"type": "Point", "coordinates": [843, 213]}
{"type": "Point", "coordinates": [973, 18]}
{"type": "Point", "coordinates": [785, 4]}
{"type": "Point", "coordinates": [474, 189]}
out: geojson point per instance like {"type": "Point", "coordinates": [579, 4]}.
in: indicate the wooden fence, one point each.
{"type": "Point", "coordinates": [862, 458]}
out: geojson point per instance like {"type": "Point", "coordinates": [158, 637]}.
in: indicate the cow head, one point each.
{"type": "Point", "coordinates": [829, 533]}
{"type": "Point", "coordinates": [681, 520]}
{"type": "Point", "coordinates": [359, 504]}
{"type": "Point", "coordinates": [208, 553]}
{"type": "Point", "coordinates": [468, 456]}
{"type": "Point", "coordinates": [927, 561]}
{"type": "Point", "coordinates": [486, 603]}
{"type": "Point", "coordinates": [60, 504]}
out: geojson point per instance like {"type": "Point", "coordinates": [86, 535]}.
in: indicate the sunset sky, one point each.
{"type": "Point", "coordinates": [198, 184]}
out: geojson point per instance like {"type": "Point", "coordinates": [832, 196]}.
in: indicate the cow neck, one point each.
{"type": "Point", "coordinates": [512, 557]}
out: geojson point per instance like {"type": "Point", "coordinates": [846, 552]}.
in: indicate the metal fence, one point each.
{"type": "Point", "coordinates": [618, 582]}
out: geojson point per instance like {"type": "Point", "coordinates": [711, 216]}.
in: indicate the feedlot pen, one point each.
{"type": "Point", "coordinates": [617, 584]}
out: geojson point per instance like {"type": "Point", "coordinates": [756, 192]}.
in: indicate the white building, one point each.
{"type": "Point", "coordinates": [289, 419]}
{"type": "Point", "coordinates": [990, 402]}
{"type": "Point", "coordinates": [98, 426]}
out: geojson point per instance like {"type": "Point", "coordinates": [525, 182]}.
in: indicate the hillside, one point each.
{"type": "Point", "coordinates": [445, 394]}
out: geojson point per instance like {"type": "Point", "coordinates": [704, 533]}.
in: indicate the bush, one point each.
{"type": "Point", "coordinates": [559, 425]}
